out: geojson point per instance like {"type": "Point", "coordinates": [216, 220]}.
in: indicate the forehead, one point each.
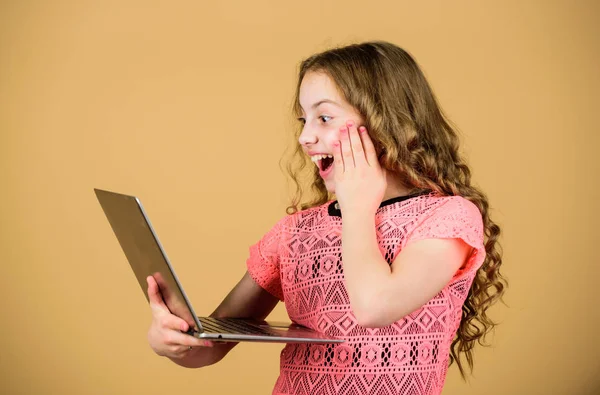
{"type": "Point", "coordinates": [317, 86]}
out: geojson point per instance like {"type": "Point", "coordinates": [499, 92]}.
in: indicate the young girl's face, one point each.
{"type": "Point", "coordinates": [324, 112]}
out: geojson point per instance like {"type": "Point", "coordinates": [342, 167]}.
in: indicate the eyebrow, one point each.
{"type": "Point", "coordinates": [317, 104]}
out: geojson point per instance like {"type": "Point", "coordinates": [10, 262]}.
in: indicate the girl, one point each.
{"type": "Point", "coordinates": [403, 265]}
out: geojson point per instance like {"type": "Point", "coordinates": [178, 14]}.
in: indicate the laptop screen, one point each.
{"type": "Point", "coordinates": [144, 252]}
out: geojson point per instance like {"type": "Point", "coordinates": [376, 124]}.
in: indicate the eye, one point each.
{"type": "Point", "coordinates": [323, 118]}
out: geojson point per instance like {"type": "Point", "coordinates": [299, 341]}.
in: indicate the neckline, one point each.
{"type": "Point", "coordinates": [334, 211]}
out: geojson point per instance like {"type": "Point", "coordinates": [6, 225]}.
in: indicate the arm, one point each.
{"type": "Point", "coordinates": [246, 300]}
{"type": "Point", "coordinates": [381, 294]}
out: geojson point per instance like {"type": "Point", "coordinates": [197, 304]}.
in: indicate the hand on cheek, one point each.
{"type": "Point", "coordinates": [360, 180]}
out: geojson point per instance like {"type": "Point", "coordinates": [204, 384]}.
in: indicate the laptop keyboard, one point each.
{"type": "Point", "coordinates": [231, 325]}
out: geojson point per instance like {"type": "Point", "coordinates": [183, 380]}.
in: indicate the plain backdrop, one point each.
{"type": "Point", "coordinates": [188, 106]}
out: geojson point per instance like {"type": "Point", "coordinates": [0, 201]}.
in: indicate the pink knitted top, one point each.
{"type": "Point", "coordinates": [299, 261]}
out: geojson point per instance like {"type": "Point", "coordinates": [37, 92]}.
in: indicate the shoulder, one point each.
{"type": "Point", "coordinates": [317, 216]}
{"type": "Point", "coordinates": [449, 216]}
{"type": "Point", "coordinates": [458, 205]}
{"type": "Point", "coordinates": [434, 205]}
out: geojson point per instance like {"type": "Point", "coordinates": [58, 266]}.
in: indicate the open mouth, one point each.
{"type": "Point", "coordinates": [326, 164]}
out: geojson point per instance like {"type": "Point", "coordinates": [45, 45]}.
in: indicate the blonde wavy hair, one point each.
{"type": "Point", "coordinates": [414, 140]}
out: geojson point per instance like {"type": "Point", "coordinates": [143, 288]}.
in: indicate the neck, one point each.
{"type": "Point", "coordinates": [395, 188]}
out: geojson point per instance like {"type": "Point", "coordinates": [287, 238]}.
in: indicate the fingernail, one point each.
{"type": "Point", "coordinates": [362, 129]}
{"type": "Point", "coordinates": [343, 130]}
{"type": "Point", "coordinates": [350, 124]}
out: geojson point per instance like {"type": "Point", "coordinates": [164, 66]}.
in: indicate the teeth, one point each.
{"type": "Point", "coordinates": [317, 158]}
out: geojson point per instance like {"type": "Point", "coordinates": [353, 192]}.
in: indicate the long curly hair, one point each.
{"type": "Point", "coordinates": [414, 140]}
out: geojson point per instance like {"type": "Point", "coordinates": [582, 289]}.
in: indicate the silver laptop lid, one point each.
{"type": "Point", "coordinates": [145, 253]}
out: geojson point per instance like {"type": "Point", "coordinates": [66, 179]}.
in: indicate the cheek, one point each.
{"type": "Point", "coordinates": [332, 137]}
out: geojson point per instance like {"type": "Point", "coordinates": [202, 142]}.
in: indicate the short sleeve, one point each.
{"type": "Point", "coordinates": [264, 259]}
{"type": "Point", "coordinates": [454, 217]}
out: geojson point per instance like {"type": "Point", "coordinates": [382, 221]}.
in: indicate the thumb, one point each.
{"type": "Point", "coordinates": [154, 295]}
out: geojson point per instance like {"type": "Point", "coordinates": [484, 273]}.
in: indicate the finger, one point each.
{"type": "Point", "coordinates": [338, 160]}
{"type": "Point", "coordinates": [176, 338]}
{"type": "Point", "coordinates": [162, 287]}
{"type": "Point", "coordinates": [370, 153]}
{"type": "Point", "coordinates": [170, 321]}
{"type": "Point", "coordinates": [356, 144]}
{"type": "Point", "coordinates": [183, 350]}
{"type": "Point", "coordinates": [154, 295]}
{"type": "Point", "coordinates": [346, 149]}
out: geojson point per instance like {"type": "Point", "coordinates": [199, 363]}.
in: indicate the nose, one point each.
{"type": "Point", "coordinates": [308, 136]}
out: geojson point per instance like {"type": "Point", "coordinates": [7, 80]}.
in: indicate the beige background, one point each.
{"type": "Point", "coordinates": [187, 106]}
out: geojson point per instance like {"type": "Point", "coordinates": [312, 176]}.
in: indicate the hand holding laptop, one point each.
{"type": "Point", "coordinates": [166, 334]}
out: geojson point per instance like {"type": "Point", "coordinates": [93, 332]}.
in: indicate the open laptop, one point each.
{"type": "Point", "coordinates": [146, 257]}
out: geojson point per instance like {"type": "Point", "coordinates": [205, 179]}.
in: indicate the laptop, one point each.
{"type": "Point", "coordinates": [147, 257]}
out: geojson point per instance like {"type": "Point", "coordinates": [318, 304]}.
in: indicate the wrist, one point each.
{"type": "Point", "coordinates": [358, 216]}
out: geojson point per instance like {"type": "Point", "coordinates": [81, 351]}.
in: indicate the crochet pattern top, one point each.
{"type": "Point", "coordinates": [300, 262]}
